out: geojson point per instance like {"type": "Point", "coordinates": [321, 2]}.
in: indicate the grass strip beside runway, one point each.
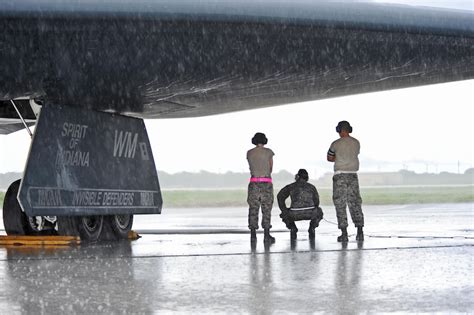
{"type": "Point", "coordinates": [370, 196]}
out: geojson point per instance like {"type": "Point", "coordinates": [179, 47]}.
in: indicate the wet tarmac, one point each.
{"type": "Point", "coordinates": [416, 258]}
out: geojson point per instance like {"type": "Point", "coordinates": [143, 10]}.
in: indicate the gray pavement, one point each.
{"type": "Point", "coordinates": [416, 258]}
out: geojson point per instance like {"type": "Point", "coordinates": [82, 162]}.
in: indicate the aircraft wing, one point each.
{"type": "Point", "coordinates": [165, 59]}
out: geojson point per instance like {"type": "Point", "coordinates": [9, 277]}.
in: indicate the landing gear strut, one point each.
{"type": "Point", "coordinates": [78, 172]}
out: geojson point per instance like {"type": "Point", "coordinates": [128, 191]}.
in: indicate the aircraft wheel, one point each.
{"type": "Point", "coordinates": [121, 224]}
{"type": "Point", "coordinates": [38, 225]}
{"type": "Point", "coordinates": [90, 227]}
{"type": "Point", "coordinates": [67, 226]}
{"type": "Point", "coordinates": [14, 219]}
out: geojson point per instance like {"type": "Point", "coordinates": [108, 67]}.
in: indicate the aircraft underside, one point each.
{"type": "Point", "coordinates": [199, 61]}
{"type": "Point", "coordinates": [165, 60]}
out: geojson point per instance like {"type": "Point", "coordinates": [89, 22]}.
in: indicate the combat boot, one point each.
{"type": "Point", "coordinates": [253, 235]}
{"type": "Point", "coordinates": [343, 238]}
{"type": "Point", "coordinates": [267, 237]}
{"type": "Point", "coordinates": [360, 234]}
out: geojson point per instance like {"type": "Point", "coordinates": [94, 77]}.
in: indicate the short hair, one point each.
{"type": "Point", "coordinates": [259, 138]}
{"type": "Point", "coordinates": [344, 125]}
{"type": "Point", "coordinates": [302, 173]}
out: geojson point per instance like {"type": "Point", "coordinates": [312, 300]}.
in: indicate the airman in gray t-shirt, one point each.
{"type": "Point", "coordinates": [260, 189]}
{"type": "Point", "coordinates": [344, 153]}
{"type": "Point", "coordinates": [260, 161]}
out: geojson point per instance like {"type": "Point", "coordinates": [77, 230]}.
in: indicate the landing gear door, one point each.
{"type": "Point", "coordinates": [83, 162]}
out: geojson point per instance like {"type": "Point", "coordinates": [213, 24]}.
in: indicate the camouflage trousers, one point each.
{"type": "Point", "coordinates": [290, 216]}
{"type": "Point", "coordinates": [260, 195]}
{"type": "Point", "coordinates": [346, 193]}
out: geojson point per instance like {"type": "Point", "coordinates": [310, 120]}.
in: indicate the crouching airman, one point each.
{"type": "Point", "coordinates": [304, 204]}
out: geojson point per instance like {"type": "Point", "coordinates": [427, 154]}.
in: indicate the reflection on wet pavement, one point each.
{"type": "Point", "coordinates": [225, 273]}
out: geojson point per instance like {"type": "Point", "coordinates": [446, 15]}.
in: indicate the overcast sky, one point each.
{"type": "Point", "coordinates": [422, 129]}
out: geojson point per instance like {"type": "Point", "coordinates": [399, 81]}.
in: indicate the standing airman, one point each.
{"type": "Point", "coordinates": [344, 153]}
{"type": "Point", "coordinates": [260, 188]}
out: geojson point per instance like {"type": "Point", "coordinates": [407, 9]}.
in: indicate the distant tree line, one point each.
{"type": "Point", "coordinates": [404, 177]}
{"type": "Point", "coordinates": [205, 179]}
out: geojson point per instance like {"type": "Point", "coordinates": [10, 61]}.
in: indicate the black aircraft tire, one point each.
{"type": "Point", "coordinates": [67, 226]}
{"type": "Point", "coordinates": [14, 219]}
{"type": "Point", "coordinates": [120, 224]}
{"type": "Point", "coordinates": [90, 227]}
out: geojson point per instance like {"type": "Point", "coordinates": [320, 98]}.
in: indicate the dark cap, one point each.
{"type": "Point", "coordinates": [302, 173]}
{"type": "Point", "coordinates": [259, 138]}
{"type": "Point", "coordinates": [344, 125]}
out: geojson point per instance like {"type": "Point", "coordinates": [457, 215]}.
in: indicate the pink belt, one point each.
{"type": "Point", "coordinates": [260, 180]}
